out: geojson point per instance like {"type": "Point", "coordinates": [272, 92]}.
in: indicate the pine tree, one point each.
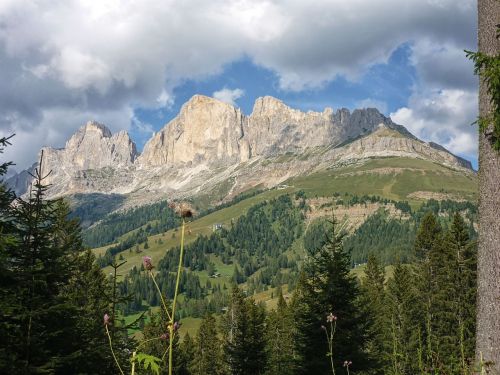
{"type": "Point", "coordinates": [406, 323]}
{"type": "Point", "coordinates": [207, 353]}
{"type": "Point", "coordinates": [41, 270]}
{"type": "Point", "coordinates": [280, 329]}
{"type": "Point", "coordinates": [428, 249]}
{"type": "Point", "coordinates": [373, 299]}
{"type": "Point", "coordinates": [244, 344]}
{"type": "Point", "coordinates": [55, 292]}
{"type": "Point", "coordinates": [329, 287]}
{"type": "Point", "coordinates": [187, 354]}
{"type": "Point", "coordinates": [10, 327]}
{"type": "Point", "coordinates": [464, 297]}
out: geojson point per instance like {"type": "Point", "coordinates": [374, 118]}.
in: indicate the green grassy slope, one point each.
{"type": "Point", "coordinates": [392, 178]}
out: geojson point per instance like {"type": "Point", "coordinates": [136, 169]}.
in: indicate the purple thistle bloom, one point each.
{"type": "Point", "coordinates": [106, 319]}
{"type": "Point", "coordinates": [146, 261]}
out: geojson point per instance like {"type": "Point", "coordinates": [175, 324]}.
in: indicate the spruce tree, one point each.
{"type": "Point", "coordinates": [243, 327]}
{"type": "Point", "coordinates": [207, 349]}
{"type": "Point", "coordinates": [465, 289]}
{"type": "Point", "coordinates": [428, 249]}
{"type": "Point", "coordinates": [373, 298]}
{"type": "Point", "coordinates": [282, 356]}
{"type": "Point", "coordinates": [53, 290]}
{"type": "Point", "coordinates": [329, 287]}
{"type": "Point", "coordinates": [406, 323]}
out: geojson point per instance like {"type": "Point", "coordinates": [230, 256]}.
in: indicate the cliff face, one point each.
{"type": "Point", "coordinates": [215, 133]}
{"type": "Point", "coordinates": [92, 150]}
{"type": "Point", "coordinates": [211, 142]}
{"type": "Point", "coordinates": [206, 131]}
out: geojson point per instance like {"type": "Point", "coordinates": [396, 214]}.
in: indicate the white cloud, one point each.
{"type": "Point", "coordinates": [443, 117]}
{"type": "Point", "coordinates": [228, 96]}
{"type": "Point", "coordinates": [99, 57]}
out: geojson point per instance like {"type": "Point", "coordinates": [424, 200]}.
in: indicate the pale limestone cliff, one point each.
{"type": "Point", "coordinates": [92, 149]}
{"type": "Point", "coordinates": [213, 146]}
{"type": "Point", "coordinates": [205, 131]}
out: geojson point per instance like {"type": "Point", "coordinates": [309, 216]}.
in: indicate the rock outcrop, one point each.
{"type": "Point", "coordinates": [211, 143]}
{"type": "Point", "coordinates": [91, 151]}
{"type": "Point", "coordinates": [206, 131]}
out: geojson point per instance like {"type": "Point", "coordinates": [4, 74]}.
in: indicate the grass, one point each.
{"type": "Point", "coordinates": [411, 175]}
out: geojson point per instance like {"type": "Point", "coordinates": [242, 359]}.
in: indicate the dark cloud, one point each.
{"type": "Point", "coordinates": [61, 61]}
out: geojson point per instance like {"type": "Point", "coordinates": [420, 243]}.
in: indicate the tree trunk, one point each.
{"type": "Point", "coordinates": [488, 308]}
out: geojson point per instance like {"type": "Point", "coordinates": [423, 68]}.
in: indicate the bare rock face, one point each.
{"type": "Point", "coordinates": [94, 147]}
{"type": "Point", "coordinates": [207, 131]}
{"type": "Point", "coordinates": [91, 148]}
{"type": "Point", "coordinates": [210, 143]}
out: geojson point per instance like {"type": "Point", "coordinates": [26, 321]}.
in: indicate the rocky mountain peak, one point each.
{"type": "Point", "coordinates": [206, 132]}
{"type": "Point", "coordinates": [94, 126]}
{"type": "Point", "coordinates": [268, 105]}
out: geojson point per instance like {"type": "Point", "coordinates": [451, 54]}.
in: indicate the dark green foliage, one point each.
{"type": "Point", "coordinates": [488, 68]}
{"type": "Point", "coordinates": [53, 291]}
{"type": "Point", "coordinates": [328, 286]}
{"type": "Point", "coordinates": [390, 239]}
{"type": "Point", "coordinates": [117, 224]}
{"type": "Point", "coordinates": [406, 323]}
{"type": "Point", "coordinates": [281, 329]}
{"type": "Point", "coordinates": [315, 236]}
{"type": "Point", "coordinates": [207, 357]}
{"type": "Point", "coordinates": [432, 306]}
{"type": "Point", "coordinates": [244, 343]}
{"type": "Point", "coordinates": [374, 301]}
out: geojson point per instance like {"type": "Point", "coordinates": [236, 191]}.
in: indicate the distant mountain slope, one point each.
{"type": "Point", "coordinates": [212, 149]}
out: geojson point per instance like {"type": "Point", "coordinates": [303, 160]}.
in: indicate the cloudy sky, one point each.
{"type": "Point", "coordinates": [131, 64]}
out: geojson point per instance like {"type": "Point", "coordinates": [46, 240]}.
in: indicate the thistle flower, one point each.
{"type": "Point", "coordinates": [146, 261]}
{"type": "Point", "coordinates": [182, 209]}
{"type": "Point", "coordinates": [106, 319]}
{"type": "Point", "coordinates": [331, 318]}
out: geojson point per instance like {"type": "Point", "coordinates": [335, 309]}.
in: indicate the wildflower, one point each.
{"type": "Point", "coordinates": [106, 319]}
{"type": "Point", "coordinates": [347, 363]}
{"type": "Point", "coordinates": [164, 336]}
{"type": "Point", "coordinates": [177, 325]}
{"type": "Point", "coordinates": [146, 261]}
{"type": "Point", "coordinates": [323, 328]}
{"type": "Point", "coordinates": [330, 318]}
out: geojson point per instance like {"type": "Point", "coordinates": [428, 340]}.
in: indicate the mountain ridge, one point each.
{"type": "Point", "coordinates": [211, 142]}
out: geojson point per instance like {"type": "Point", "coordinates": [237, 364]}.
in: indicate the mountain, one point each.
{"type": "Point", "coordinates": [212, 149]}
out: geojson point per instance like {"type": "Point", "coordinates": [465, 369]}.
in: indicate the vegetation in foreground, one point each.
{"type": "Point", "coordinates": [420, 321]}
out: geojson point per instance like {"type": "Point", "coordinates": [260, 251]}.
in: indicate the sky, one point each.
{"type": "Point", "coordinates": [132, 64]}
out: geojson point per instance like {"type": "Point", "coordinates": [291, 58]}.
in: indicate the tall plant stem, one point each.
{"type": "Point", "coordinates": [161, 296]}
{"type": "Point", "coordinates": [112, 351]}
{"type": "Point", "coordinates": [179, 270]}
